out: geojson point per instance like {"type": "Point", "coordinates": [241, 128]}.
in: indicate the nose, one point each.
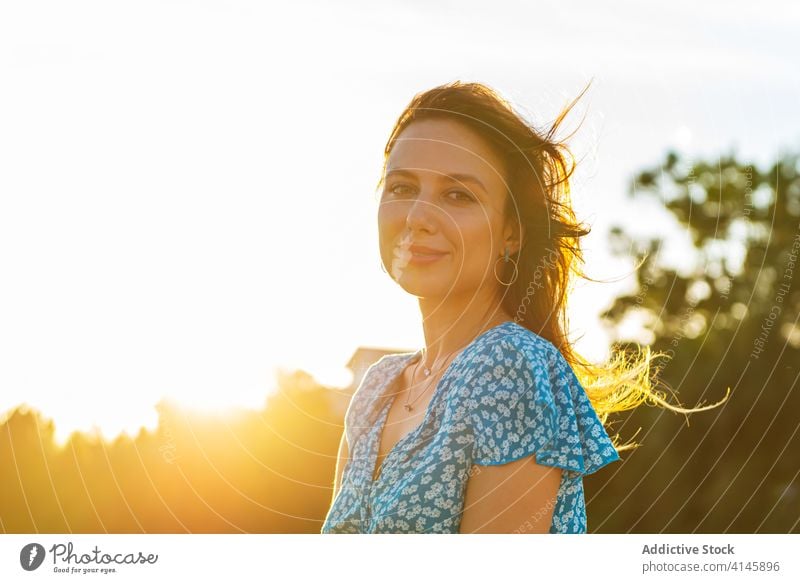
{"type": "Point", "coordinates": [422, 214]}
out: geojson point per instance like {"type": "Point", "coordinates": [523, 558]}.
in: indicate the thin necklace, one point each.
{"type": "Point", "coordinates": [427, 372]}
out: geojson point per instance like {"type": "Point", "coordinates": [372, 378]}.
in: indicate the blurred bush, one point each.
{"type": "Point", "coordinates": [727, 316]}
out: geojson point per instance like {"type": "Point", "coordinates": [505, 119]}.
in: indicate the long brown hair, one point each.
{"type": "Point", "coordinates": [538, 170]}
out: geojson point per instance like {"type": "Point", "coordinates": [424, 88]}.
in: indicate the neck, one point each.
{"type": "Point", "coordinates": [451, 325]}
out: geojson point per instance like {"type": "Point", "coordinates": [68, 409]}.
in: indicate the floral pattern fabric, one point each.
{"type": "Point", "coordinates": [509, 394]}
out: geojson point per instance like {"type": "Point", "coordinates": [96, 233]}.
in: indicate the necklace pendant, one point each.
{"type": "Point", "coordinates": [408, 407]}
{"type": "Point", "coordinates": [427, 372]}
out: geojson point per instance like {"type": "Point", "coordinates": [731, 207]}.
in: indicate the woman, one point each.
{"type": "Point", "coordinates": [487, 428]}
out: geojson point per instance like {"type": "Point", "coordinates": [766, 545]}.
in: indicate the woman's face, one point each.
{"type": "Point", "coordinates": [440, 220]}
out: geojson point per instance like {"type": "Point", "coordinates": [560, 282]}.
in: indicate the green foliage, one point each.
{"type": "Point", "coordinates": [727, 318]}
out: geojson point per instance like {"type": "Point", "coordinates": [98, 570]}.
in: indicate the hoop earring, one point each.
{"type": "Point", "coordinates": [506, 260]}
{"type": "Point", "coordinates": [383, 269]}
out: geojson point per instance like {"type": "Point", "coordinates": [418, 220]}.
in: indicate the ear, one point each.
{"type": "Point", "coordinates": [512, 238]}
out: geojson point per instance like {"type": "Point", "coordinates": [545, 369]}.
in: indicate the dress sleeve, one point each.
{"type": "Point", "coordinates": [360, 414]}
{"type": "Point", "coordinates": [529, 401]}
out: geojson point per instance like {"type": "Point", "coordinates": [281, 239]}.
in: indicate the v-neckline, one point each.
{"type": "Point", "coordinates": [384, 414]}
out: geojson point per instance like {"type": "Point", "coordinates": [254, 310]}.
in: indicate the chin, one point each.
{"type": "Point", "coordinates": [424, 289]}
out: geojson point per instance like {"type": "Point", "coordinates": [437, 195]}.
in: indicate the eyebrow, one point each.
{"type": "Point", "coordinates": [451, 177]}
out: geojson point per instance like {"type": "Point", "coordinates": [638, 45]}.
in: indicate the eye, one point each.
{"type": "Point", "coordinates": [461, 196]}
{"type": "Point", "coordinates": [400, 189]}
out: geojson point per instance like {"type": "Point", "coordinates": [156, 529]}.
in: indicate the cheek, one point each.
{"type": "Point", "coordinates": [475, 241]}
{"type": "Point", "coordinates": [391, 223]}
{"type": "Point", "coordinates": [391, 215]}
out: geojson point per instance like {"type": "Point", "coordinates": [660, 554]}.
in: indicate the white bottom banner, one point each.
{"type": "Point", "coordinates": [400, 557]}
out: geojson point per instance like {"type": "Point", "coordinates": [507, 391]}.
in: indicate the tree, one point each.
{"type": "Point", "coordinates": [727, 318]}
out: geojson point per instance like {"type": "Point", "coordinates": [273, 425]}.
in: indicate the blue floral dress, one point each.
{"type": "Point", "coordinates": [509, 394]}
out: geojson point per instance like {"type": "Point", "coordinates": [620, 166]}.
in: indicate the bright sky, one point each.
{"type": "Point", "coordinates": [187, 189]}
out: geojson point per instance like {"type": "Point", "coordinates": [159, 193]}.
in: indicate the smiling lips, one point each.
{"type": "Point", "coordinates": [422, 251]}
{"type": "Point", "coordinates": [405, 253]}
